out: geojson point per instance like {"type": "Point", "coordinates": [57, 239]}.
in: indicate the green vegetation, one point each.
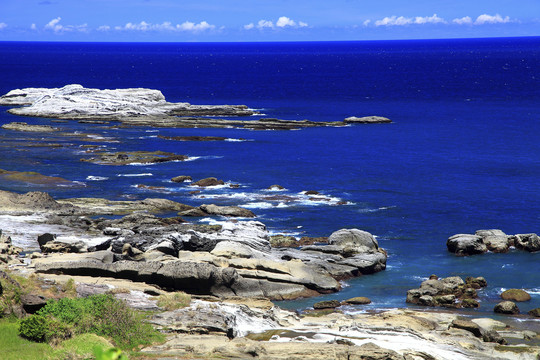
{"type": "Point", "coordinates": [102, 315]}
{"type": "Point", "coordinates": [173, 301]}
{"type": "Point", "coordinates": [15, 347]}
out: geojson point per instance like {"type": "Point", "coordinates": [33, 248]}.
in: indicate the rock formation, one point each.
{"type": "Point", "coordinates": [491, 240]}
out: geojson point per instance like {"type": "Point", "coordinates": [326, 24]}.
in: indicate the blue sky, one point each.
{"type": "Point", "coordinates": [264, 20]}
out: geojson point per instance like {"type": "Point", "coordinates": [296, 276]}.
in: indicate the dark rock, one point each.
{"type": "Point", "coordinates": [102, 246]}
{"type": "Point", "coordinates": [193, 138]}
{"type": "Point", "coordinates": [311, 192]}
{"type": "Point", "coordinates": [466, 244]}
{"type": "Point", "coordinates": [181, 178]}
{"type": "Point", "coordinates": [275, 187]}
{"type": "Point", "coordinates": [506, 307]}
{"type": "Point", "coordinates": [476, 282]}
{"type": "Point", "coordinates": [494, 337]}
{"type": "Point", "coordinates": [45, 238]}
{"type": "Point", "coordinates": [211, 181]}
{"type": "Point", "coordinates": [470, 303]}
{"type": "Point", "coordinates": [367, 120]}
{"type": "Point", "coordinates": [535, 312]}
{"type": "Point", "coordinates": [327, 304]}
{"type": "Point", "coordinates": [305, 240]}
{"type": "Point", "coordinates": [32, 302]}
{"type": "Point", "coordinates": [469, 326]}
{"type": "Point", "coordinates": [433, 277]}
{"type": "Point", "coordinates": [199, 243]}
{"type": "Point", "coordinates": [360, 300]}
{"type": "Point", "coordinates": [517, 295]}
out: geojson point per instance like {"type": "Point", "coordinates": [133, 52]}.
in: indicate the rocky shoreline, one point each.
{"type": "Point", "coordinates": [234, 267]}
{"type": "Point", "coordinates": [143, 107]}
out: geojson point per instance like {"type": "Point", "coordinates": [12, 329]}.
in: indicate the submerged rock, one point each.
{"type": "Point", "coordinates": [22, 126]}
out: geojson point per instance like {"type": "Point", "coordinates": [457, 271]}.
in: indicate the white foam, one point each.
{"type": "Point", "coordinates": [151, 131]}
{"type": "Point", "coordinates": [96, 178]}
{"type": "Point", "coordinates": [135, 175]}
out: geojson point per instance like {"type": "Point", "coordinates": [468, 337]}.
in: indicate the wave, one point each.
{"type": "Point", "coordinates": [135, 175]}
{"type": "Point", "coordinates": [96, 178]}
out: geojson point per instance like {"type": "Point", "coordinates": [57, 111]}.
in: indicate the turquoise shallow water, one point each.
{"type": "Point", "coordinates": [462, 154]}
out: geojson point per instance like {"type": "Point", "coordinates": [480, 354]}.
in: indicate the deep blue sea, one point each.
{"type": "Point", "coordinates": [462, 153]}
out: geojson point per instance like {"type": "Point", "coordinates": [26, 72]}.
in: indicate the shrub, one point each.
{"type": "Point", "coordinates": [34, 328]}
{"type": "Point", "coordinates": [99, 314]}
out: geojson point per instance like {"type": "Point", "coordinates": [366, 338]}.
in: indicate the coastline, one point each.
{"type": "Point", "coordinates": [236, 258]}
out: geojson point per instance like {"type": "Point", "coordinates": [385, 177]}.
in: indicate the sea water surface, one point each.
{"type": "Point", "coordinates": [462, 153]}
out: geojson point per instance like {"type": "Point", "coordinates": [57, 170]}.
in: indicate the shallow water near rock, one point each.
{"type": "Point", "coordinates": [462, 153]}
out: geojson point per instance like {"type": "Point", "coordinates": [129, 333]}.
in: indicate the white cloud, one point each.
{"type": "Point", "coordinates": [466, 20]}
{"type": "Point", "coordinates": [367, 22]}
{"type": "Point", "coordinates": [165, 26]}
{"type": "Point", "coordinates": [429, 20]}
{"type": "Point", "coordinates": [393, 21]}
{"type": "Point", "coordinates": [33, 27]}
{"type": "Point", "coordinates": [3, 25]}
{"type": "Point", "coordinates": [285, 21]}
{"type": "Point", "coordinates": [55, 26]}
{"type": "Point", "coordinates": [282, 22]}
{"type": "Point", "coordinates": [104, 28]}
{"type": "Point", "coordinates": [401, 20]}
{"type": "Point", "coordinates": [491, 19]}
{"type": "Point", "coordinates": [265, 24]}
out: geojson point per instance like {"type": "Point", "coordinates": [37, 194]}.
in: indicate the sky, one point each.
{"type": "Point", "coordinates": [264, 20]}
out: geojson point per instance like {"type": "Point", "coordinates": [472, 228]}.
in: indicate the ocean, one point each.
{"type": "Point", "coordinates": [462, 153]}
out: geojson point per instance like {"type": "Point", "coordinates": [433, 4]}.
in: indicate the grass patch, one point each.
{"type": "Point", "coordinates": [80, 347]}
{"type": "Point", "coordinates": [173, 301]}
{"type": "Point", "coordinates": [13, 347]}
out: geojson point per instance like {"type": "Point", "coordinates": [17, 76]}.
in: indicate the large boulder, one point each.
{"type": "Point", "coordinates": [354, 241]}
{"type": "Point", "coordinates": [506, 307]}
{"type": "Point", "coordinates": [466, 244]}
{"type": "Point", "coordinates": [528, 242]}
{"type": "Point", "coordinates": [495, 240]}
{"type": "Point", "coordinates": [211, 181]}
{"type": "Point", "coordinates": [515, 295]}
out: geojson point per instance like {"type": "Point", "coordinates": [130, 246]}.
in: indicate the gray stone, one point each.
{"type": "Point", "coordinates": [466, 244]}
{"type": "Point", "coordinates": [233, 211]}
{"type": "Point", "coordinates": [506, 307]}
{"type": "Point", "coordinates": [527, 242]}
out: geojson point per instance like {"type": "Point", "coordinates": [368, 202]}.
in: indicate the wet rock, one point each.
{"type": "Point", "coordinates": [360, 300]}
{"type": "Point", "coordinates": [45, 238]}
{"type": "Point", "coordinates": [535, 312]}
{"type": "Point", "coordinates": [211, 181]}
{"type": "Point", "coordinates": [506, 307]}
{"type": "Point", "coordinates": [367, 120]}
{"type": "Point", "coordinates": [196, 212]}
{"type": "Point", "coordinates": [327, 304]}
{"type": "Point", "coordinates": [275, 187]}
{"type": "Point", "coordinates": [516, 295]}
{"type": "Point", "coordinates": [311, 192]}
{"type": "Point", "coordinates": [181, 178]}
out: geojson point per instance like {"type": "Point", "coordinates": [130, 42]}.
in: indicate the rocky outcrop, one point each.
{"type": "Point", "coordinates": [517, 295]}
{"type": "Point", "coordinates": [22, 126]}
{"type": "Point", "coordinates": [29, 202]}
{"type": "Point", "coordinates": [181, 178]}
{"type": "Point", "coordinates": [451, 292]}
{"type": "Point", "coordinates": [367, 120]}
{"type": "Point", "coordinates": [215, 210]}
{"type": "Point", "coordinates": [193, 138]}
{"type": "Point", "coordinates": [231, 259]}
{"type": "Point", "coordinates": [134, 157]}
{"type": "Point", "coordinates": [143, 107]}
{"type": "Point", "coordinates": [211, 181]}
{"type": "Point", "coordinates": [8, 252]}
{"type": "Point", "coordinates": [491, 240]}
{"type": "Point", "coordinates": [32, 177]}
